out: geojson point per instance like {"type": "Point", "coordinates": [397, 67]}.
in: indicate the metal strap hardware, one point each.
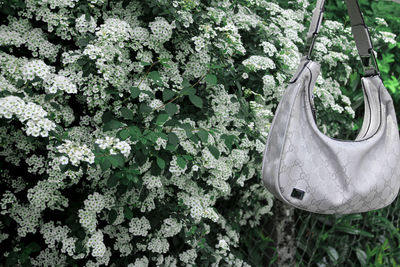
{"type": "Point", "coordinates": [358, 28]}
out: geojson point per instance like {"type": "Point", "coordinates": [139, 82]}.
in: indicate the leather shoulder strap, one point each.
{"type": "Point", "coordinates": [358, 28]}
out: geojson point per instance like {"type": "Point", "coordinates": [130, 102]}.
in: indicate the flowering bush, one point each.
{"type": "Point", "coordinates": [132, 132]}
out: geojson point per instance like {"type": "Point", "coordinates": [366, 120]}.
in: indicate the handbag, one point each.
{"type": "Point", "coordinates": [305, 168]}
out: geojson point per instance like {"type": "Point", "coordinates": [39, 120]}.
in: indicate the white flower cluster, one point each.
{"type": "Point", "coordinates": [189, 256]}
{"type": "Point", "coordinates": [188, 147]}
{"type": "Point", "coordinates": [388, 37]}
{"type": "Point", "coordinates": [76, 152]}
{"type": "Point", "coordinates": [121, 236]}
{"type": "Point", "coordinates": [36, 67]}
{"type": "Point", "coordinates": [36, 164]}
{"type": "Point", "coordinates": [140, 34]}
{"type": "Point", "coordinates": [161, 142]}
{"type": "Point", "coordinates": [7, 198]}
{"type": "Point", "coordinates": [222, 244]}
{"type": "Point", "coordinates": [93, 51]}
{"type": "Point", "coordinates": [170, 227]}
{"type": "Point", "coordinates": [255, 63]}
{"type": "Point", "coordinates": [175, 168]}
{"type": "Point", "coordinates": [58, 3]}
{"type": "Point", "coordinates": [139, 226]}
{"type": "Point", "coordinates": [87, 216]}
{"type": "Point", "coordinates": [27, 218]}
{"type": "Point", "coordinates": [34, 114]}
{"type": "Point", "coordinates": [141, 262]}
{"type": "Point", "coordinates": [53, 234]}
{"type": "Point", "coordinates": [95, 202]}
{"type": "Point", "coordinates": [5, 85]}
{"type": "Point", "coordinates": [158, 245]}
{"type": "Point", "coordinates": [161, 29]}
{"type": "Point", "coordinates": [83, 26]}
{"type": "Point", "coordinates": [198, 43]}
{"type": "Point", "coordinates": [20, 32]}
{"type": "Point", "coordinates": [62, 83]}
{"type": "Point", "coordinates": [200, 206]}
{"type": "Point", "coordinates": [269, 48]}
{"type": "Point", "coordinates": [269, 84]}
{"type": "Point", "coordinates": [45, 194]}
{"type": "Point", "coordinates": [115, 31]}
{"type": "Point", "coordinates": [96, 243]}
{"type": "Point", "coordinates": [50, 257]}
{"type": "Point", "coordinates": [115, 145]}
{"type": "Point", "coordinates": [151, 181]}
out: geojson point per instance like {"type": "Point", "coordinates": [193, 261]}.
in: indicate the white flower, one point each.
{"type": "Point", "coordinates": [115, 145]}
{"type": "Point", "coordinates": [34, 68]}
{"type": "Point", "coordinates": [161, 29]}
{"type": "Point", "coordinates": [222, 244]}
{"type": "Point", "coordinates": [63, 160]}
{"type": "Point", "coordinates": [255, 63]}
{"type": "Point", "coordinates": [76, 152]}
{"type": "Point", "coordinates": [139, 226]}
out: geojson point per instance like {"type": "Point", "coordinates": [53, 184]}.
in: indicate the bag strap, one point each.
{"type": "Point", "coordinates": [358, 28]}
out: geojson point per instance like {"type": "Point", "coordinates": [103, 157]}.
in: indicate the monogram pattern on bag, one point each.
{"type": "Point", "coordinates": [338, 176]}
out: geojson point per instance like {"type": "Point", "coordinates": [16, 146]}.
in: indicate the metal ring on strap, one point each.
{"type": "Point", "coordinates": [358, 28]}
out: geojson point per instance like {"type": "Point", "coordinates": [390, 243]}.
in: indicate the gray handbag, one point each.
{"type": "Point", "coordinates": [305, 168]}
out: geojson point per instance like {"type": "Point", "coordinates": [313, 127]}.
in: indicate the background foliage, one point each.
{"type": "Point", "coordinates": [132, 132]}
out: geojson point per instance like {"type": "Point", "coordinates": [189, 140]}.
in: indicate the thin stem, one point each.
{"type": "Point", "coordinates": [179, 95]}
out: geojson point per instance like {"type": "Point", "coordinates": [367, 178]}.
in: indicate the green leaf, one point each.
{"type": "Point", "coordinates": [214, 151]}
{"type": "Point", "coordinates": [162, 118]}
{"type": "Point", "coordinates": [203, 134]}
{"type": "Point", "coordinates": [56, 106]}
{"type": "Point", "coordinates": [171, 109]}
{"type": "Point", "coordinates": [151, 94]}
{"type": "Point", "coordinates": [228, 140]}
{"type": "Point", "coordinates": [135, 91]}
{"type": "Point", "coordinates": [167, 94]}
{"type": "Point", "coordinates": [145, 63]}
{"type": "Point", "coordinates": [197, 101]}
{"type": "Point", "coordinates": [127, 113]}
{"type": "Point", "coordinates": [188, 129]}
{"type": "Point", "coordinates": [87, 16]}
{"type": "Point", "coordinates": [124, 134]}
{"type": "Point", "coordinates": [156, 77]}
{"type": "Point", "coordinates": [117, 160]}
{"type": "Point", "coordinates": [145, 108]}
{"type": "Point", "coordinates": [105, 164]}
{"type": "Point", "coordinates": [361, 256]}
{"type": "Point", "coordinates": [112, 181]}
{"type": "Point", "coordinates": [111, 125]}
{"type": "Point", "coordinates": [107, 116]}
{"type": "Point", "coordinates": [181, 162]}
{"type": "Point", "coordinates": [152, 136]}
{"type": "Point", "coordinates": [82, 42]}
{"type": "Point", "coordinates": [347, 229]}
{"type": "Point", "coordinates": [160, 163]}
{"type": "Point", "coordinates": [173, 139]}
{"type": "Point", "coordinates": [82, 61]}
{"type": "Point", "coordinates": [164, 60]}
{"type": "Point", "coordinates": [128, 213]}
{"type": "Point", "coordinates": [134, 132]}
{"type": "Point", "coordinates": [112, 216]}
{"type": "Point", "coordinates": [187, 157]}
{"type": "Point", "coordinates": [111, 90]}
{"type": "Point", "coordinates": [332, 253]}
{"type": "Point", "coordinates": [20, 82]}
{"type": "Point", "coordinates": [188, 91]}
{"type": "Point", "coordinates": [211, 79]}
